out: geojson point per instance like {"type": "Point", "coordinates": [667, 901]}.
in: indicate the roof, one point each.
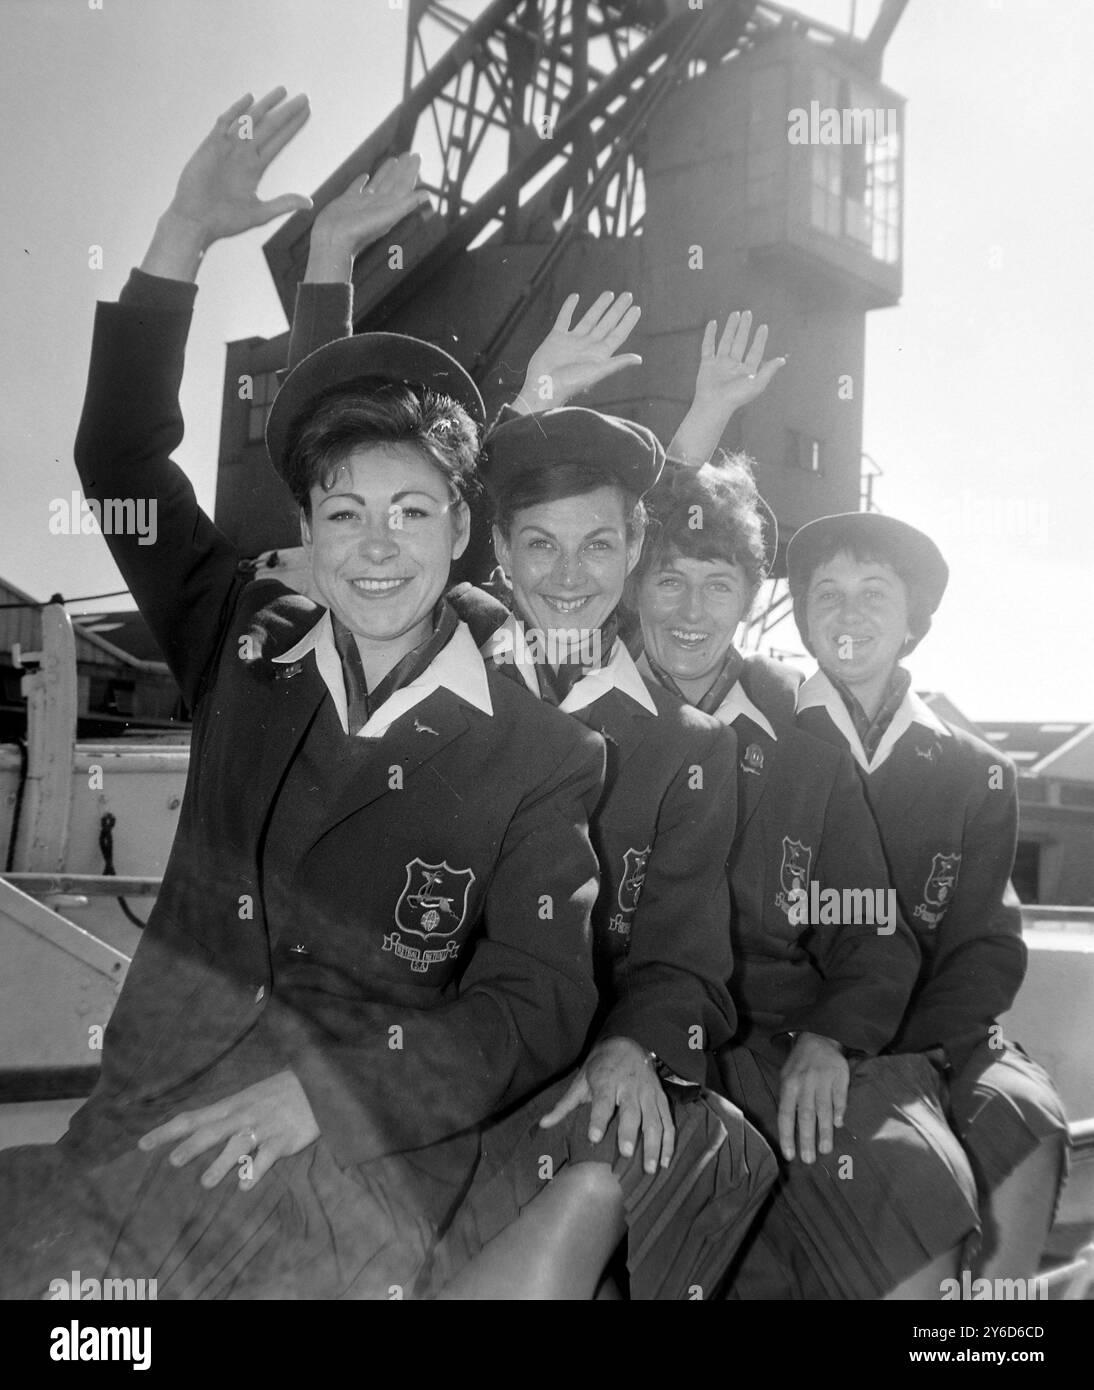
{"type": "Point", "coordinates": [945, 708]}
{"type": "Point", "coordinates": [126, 629]}
{"type": "Point", "coordinates": [129, 643]}
{"type": "Point", "coordinates": [1056, 748]}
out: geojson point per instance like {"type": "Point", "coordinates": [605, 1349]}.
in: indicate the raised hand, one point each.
{"type": "Point", "coordinates": [572, 360]}
{"type": "Point", "coordinates": [218, 187]}
{"type": "Point", "coordinates": [217, 193]}
{"type": "Point", "coordinates": [730, 375]}
{"type": "Point", "coordinates": [730, 372]}
{"type": "Point", "coordinates": [363, 212]}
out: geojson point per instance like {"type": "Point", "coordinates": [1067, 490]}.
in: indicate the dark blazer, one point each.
{"type": "Point", "coordinates": [662, 831]}
{"type": "Point", "coordinates": [395, 1051]}
{"type": "Point", "coordinates": [947, 808]}
{"type": "Point", "coordinates": [802, 814]}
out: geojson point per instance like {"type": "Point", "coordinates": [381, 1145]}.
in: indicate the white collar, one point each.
{"type": "Point", "coordinates": [457, 667]}
{"type": "Point", "coordinates": [509, 644]}
{"type": "Point", "coordinates": [818, 690]}
{"type": "Point", "coordinates": [737, 703]}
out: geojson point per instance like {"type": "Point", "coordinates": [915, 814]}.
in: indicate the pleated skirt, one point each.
{"type": "Point", "coordinates": [683, 1224]}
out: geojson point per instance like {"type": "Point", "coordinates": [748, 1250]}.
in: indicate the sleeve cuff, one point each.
{"type": "Point", "coordinates": [155, 292]}
{"type": "Point", "coordinates": [323, 314]}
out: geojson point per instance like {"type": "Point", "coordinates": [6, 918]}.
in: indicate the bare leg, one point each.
{"type": "Point", "coordinates": [925, 1285]}
{"type": "Point", "coordinates": [1018, 1214]}
{"type": "Point", "coordinates": [557, 1247]}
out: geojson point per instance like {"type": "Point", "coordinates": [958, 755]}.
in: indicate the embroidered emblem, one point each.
{"type": "Point", "coordinates": [434, 901]}
{"type": "Point", "coordinates": [419, 960]}
{"type": "Point", "coordinates": [420, 728]}
{"type": "Point", "coordinates": [630, 889]}
{"type": "Point", "coordinates": [793, 871]}
{"type": "Point", "coordinates": [938, 890]}
{"type": "Point", "coordinates": [753, 759]}
{"type": "Point", "coordinates": [286, 673]}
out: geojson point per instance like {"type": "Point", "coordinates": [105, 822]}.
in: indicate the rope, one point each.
{"type": "Point", "coordinates": [59, 598]}
{"type": "Point", "coordinates": [106, 846]}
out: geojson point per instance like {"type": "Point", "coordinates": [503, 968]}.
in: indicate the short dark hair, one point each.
{"type": "Point", "coordinates": [867, 552]}
{"type": "Point", "coordinates": [533, 486]}
{"type": "Point", "coordinates": [374, 411]}
{"type": "Point", "coordinates": [723, 496]}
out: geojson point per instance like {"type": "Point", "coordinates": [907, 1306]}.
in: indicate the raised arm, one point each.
{"type": "Point", "coordinates": [730, 375]}
{"type": "Point", "coordinates": [182, 569]}
{"type": "Point", "coordinates": [346, 226]}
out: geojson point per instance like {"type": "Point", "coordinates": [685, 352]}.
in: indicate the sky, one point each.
{"type": "Point", "coordinates": [976, 402]}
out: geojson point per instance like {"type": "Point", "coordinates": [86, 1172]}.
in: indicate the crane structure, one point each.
{"type": "Point", "coordinates": [582, 145]}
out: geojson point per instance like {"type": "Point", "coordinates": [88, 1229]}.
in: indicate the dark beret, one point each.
{"type": "Point", "coordinates": [572, 434]}
{"type": "Point", "coordinates": [387, 356]}
{"type": "Point", "coordinates": [900, 545]}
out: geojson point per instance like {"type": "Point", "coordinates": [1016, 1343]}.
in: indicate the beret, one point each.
{"type": "Point", "coordinates": [899, 544]}
{"type": "Point", "coordinates": [572, 434]}
{"type": "Point", "coordinates": [388, 356]}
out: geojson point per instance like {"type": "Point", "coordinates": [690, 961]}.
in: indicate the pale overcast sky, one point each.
{"type": "Point", "coordinates": [977, 405]}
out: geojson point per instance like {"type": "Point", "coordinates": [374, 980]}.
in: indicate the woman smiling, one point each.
{"type": "Point", "coordinates": [816, 1000]}
{"type": "Point", "coordinates": [865, 588]}
{"type": "Point", "coordinates": [373, 934]}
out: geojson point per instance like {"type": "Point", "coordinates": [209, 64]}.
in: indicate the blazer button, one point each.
{"type": "Point", "coordinates": [260, 994]}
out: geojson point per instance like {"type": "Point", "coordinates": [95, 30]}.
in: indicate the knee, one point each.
{"type": "Point", "coordinates": [590, 1185]}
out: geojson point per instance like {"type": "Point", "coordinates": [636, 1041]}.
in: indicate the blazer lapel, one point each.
{"type": "Point", "coordinates": [755, 752]}
{"type": "Point", "coordinates": [622, 724]}
{"type": "Point", "coordinates": [295, 694]}
{"type": "Point", "coordinates": [916, 759]}
{"type": "Point", "coordinates": [385, 765]}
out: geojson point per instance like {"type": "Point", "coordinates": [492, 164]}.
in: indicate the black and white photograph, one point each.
{"type": "Point", "coordinates": [546, 688]}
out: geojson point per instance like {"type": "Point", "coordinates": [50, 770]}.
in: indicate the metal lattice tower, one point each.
{"type": "Point", "coordinates": [529, 115]}
{"type": "Point", "coordinates": [591, 144]}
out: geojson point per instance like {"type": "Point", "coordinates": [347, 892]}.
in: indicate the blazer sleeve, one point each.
{"type": "Point", "coordinates": [670, 991]}
{"type": "Point", "coordinates": [385, 1078]}
{"type": "Point", "coordinates": [323, 313]}
{"type": "Point", "coordinates": [868, 974]}
{"type": "Point", "coordinates": [981, 957]}
{"type": "Point", "coordinates": [184, 572]}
